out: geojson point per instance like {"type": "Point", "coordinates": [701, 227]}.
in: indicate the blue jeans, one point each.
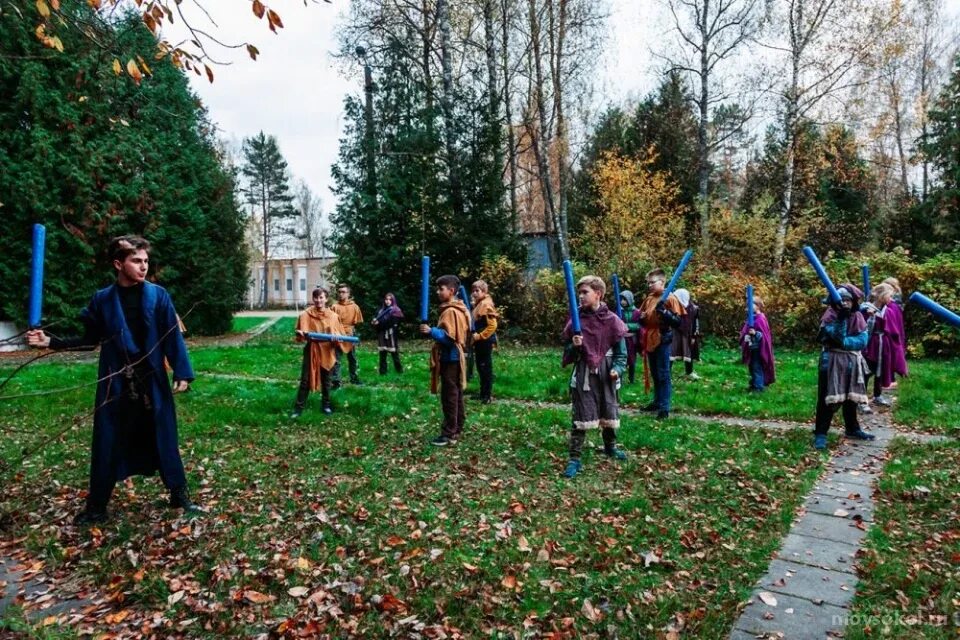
{"type": "Point", "coordinates": [756, 370]}
{"type": "Point", "coordinates": [659, 360]}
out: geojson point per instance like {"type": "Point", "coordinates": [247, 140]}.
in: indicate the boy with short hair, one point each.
{"type": "Point", "coordinates": [659, 320]}
{"type": "Point", "coordinates": [599, 356]}
{"type": "Point", "coordinates": [350, 315]}
{"type": "Point", "coordinates": [448, 364]}
{"type": "Point", "coordinates": [319, 357]}
{"type": "Point", "coordinates": [484, 337]}
{"type": "Point", "coordinates": [134, 323]}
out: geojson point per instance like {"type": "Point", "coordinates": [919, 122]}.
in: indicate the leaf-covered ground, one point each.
{"type": "Point", "coordinates": [910, 582]}
{"type": "Point", "coordinates": [355, 526]}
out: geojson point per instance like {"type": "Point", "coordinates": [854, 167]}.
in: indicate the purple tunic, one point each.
{"type": "Point", "coordinates": [888, 344]}
{"type": "Point", "coordinates": [766, 348]}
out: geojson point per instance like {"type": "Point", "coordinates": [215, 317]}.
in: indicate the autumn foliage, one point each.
{"type": "Point", "coordinates": [641, 221]}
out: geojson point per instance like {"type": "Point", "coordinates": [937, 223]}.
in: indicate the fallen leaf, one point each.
{"type": "Point", "coordinates": [298, 592]}
{"type": "Point", "coordinates": [768, 598]}
{"type": "Point", "coordinates": [255, 597]}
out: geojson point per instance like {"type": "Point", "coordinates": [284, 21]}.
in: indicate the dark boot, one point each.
{"type": "Point", "coordinates": [90, 516]}
{"type": "Point", "coordinates": [180, 499]}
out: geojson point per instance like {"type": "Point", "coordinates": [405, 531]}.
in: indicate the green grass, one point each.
{"type": "Point", "coordinates": [909, 571]}
{"type": "Point", "coordinates": [929, 398]}
{"type": "Point", "coordinates": [243, 324]}
{"type": "Point", "coordinates": [486, 537]}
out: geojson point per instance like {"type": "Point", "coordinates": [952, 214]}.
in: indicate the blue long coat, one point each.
{"type": "Point", "coordinates": [114, 458]}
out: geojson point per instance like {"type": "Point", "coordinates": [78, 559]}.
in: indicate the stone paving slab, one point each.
{"type": "Point", "coordinates": [829, 528]}
{"type": "Point", "coordinates": [810, 583]}
{"type": "Point", "coordinates": [837, 556]}
{"type": "Point", "coordinates": [840, 490]}
{"type": "Point", "coordinates": [864, 479]}
{"type": "Point", "coordinates": [806, 620]}
{"type": "Point", "coordinates": [834, 506]}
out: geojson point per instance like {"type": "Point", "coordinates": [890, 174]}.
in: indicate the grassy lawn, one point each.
{"type": "Point", "coordinates": [242, 324]}
{"type": "Point", "coordinates": [929, 398]}
{"type": "Point", "coordinates": [354, 525]}
{"type": "Point", "coordinates": [535, 374]}
{"type": "Point", "coordinates": [910, 575]}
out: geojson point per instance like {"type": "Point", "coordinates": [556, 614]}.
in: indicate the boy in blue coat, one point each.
{"type": "Point", "coordinates": [135, 422]}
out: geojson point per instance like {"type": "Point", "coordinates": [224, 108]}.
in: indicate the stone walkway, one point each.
{"type": "Point", "coordinates": [810, 583]}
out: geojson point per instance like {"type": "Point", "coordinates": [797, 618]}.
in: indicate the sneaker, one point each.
{"type": "Point", "coordinates": [663, 415]}
{"type": "Point", "coordinates": [860, 434]}
{"type": "Point", "coordinates": [296, 414]}
{"type": "Point", "coordinates": [87, 517]}
{"type": "Point", "coordinates": [653, 406]}
{"type": "Point", "coordinates": [573, 468]}
{"type": "Point", "coordinates": [180, 499]}
{"type": "Point", "coordinates": [863, 407]}
{"type": "Point", "coordinates": [615, 453]}
{"type": "Point", "coordinates": [327, 410]}
{"type": "Point", "coordinates": [440, 441]}
{"type": "Point", "coordinates": [883, 401]}
{"type": "Point", "coordinates": [819, 442]}
{"type": "Point", "coordinates": [693, 376]}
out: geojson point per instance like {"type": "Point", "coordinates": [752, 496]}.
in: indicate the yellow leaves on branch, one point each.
{"type": "Point", "coordinates": [53, 42]}
{"type": "Point", "coordinates": [641, 221]}
{"type": "Point", "coordinates": [134, 71]}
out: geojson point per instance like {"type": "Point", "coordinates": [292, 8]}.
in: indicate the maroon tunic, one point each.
{"type": "Point", "coordinates": [887, 344]}
{"type": "Point", "coordinates": [766, 348]}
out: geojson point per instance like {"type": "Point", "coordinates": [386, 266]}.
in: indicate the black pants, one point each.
{"type": "Point", "coordinates": [687, 366]}
{"type": "Point", "coordinates": [352, 360]}
{"type": "Point", "coordinates": [483, 354]}
{"type": "Point", "coordinates": [134, 442]}
{"type": "Point", "coordinates": [578, 436]}
{"type": "Point", "coordinates": [825, 412]}
{"type": "Point", "coordinates": [451, 400]}
{"type": "Point", "coordinates": [304, 390]}
{"type": "Point", "coordinates": [397, 366]}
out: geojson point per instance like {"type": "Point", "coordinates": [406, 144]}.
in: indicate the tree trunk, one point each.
{"type": "Point", "coordinates": [703, 143]}
{"type": "Point", "coordinates": [563, 149]}
{"type": "Point", "coordinates": [898, 132]}
{"type": "Point", "coordinates": [446, 105]}
{"type": "Point", "coordinates": [508, 114]}
{"type": "Point", "coordinates": [540, 138]}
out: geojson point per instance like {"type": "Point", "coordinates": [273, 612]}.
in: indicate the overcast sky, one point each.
{"type": "Point", "coordinates": [295, 89]}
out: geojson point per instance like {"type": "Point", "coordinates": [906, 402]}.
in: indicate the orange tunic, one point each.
{"type": "Point", "coordinates": [350, 315]}
{"type": "Point", "coordinates": [323, 355]}
{"type": "Point", "coordinates": [455, 321]}
{"type": "Point", "coordinates": [651, 320]}
{"type": "Point", "coordinates": [485, 310]}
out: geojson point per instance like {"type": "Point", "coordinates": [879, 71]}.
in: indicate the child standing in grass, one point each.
{"type": "Point", "coordinates": [387, 323]}
{"type": "Point", "coordinates": [350, 316]}
{"type": "Point", "coordinates": [894, 329]}
{"type": "Point", "coordinates": [599, 356]}
{"type": "Point", "coordinates": [633, 332]}
{"type": "Point", "coordinates": [756, 344]}
{"type": "Point", "coordinates": [659, 320]}
{"type": "Point", "coordinates": [881, 348]}
{"type": "Point", "coordinates": [484, 337]}
{"type": "Point", "coordinates": [842, 370]}
{"type": "Point", "coordinates": [448, 364]}
{"type": "Point", "coordinates": [686, 339]}
{"type": "Point", "coordinates": [319, 358]}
